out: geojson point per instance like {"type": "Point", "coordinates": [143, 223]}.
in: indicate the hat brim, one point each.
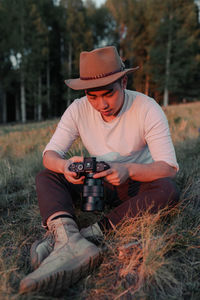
{"type": "Point", "coordinates": [79, 84]}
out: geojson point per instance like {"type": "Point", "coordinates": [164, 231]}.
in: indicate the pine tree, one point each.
{"type": "Point", "coordinates": [162, 37]}
{"type": "Point", "coordinates": [175, 50]}
{"type": "Point", "coordinates": [5, 66]}
{"type": "Point", "coordinates": [78, 37]}
{"type": "Point", "coordinates": [101, 24]}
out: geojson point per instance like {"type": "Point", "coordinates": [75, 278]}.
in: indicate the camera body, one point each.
{"type": "Point", "coordinates": [93, 189]}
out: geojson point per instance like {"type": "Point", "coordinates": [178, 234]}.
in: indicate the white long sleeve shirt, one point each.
{"type": "Point", "coordinates": [139, 133]}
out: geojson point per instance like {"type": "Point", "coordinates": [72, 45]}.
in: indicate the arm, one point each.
{"type": "Point", "coordinates": [150, 172]}
{"type": "Point", "coordinates": [54, 162]}
{"type": "Point", "coordinates": [119, 173]}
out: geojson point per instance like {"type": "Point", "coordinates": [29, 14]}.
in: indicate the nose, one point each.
{"type": "Point", "coordinates": [102, 103]}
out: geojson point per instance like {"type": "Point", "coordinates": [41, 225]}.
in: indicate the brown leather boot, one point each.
{"type": "Point", "coordinates": [72, 258]}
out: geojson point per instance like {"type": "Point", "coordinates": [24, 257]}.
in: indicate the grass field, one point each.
{"type": "Point", "coordinates": [164, 263]}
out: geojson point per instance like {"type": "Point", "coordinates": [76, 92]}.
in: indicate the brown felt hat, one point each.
{"type": "Point", "coordinates": [98, 68]}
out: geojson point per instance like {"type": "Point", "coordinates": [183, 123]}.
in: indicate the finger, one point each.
{"type": "Point", "coordinates": [79, 180]}
{"type": "Point", "coordinates": [74, 180]}
{"type": "Point", "coordinates": [76, 159]}
{"type": "Point", "coordinates": [72, 174]}
{"type": "Point", "coordinates": [103, 173]}
{"type": "Point", "coordinates": [112, 181]}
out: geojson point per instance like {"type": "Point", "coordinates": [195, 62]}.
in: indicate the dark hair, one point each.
{"type": "Point", "coordinates": [119, 80]}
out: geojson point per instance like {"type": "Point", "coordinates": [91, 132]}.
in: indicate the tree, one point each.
{"type": "Point", "coordinates": [53, 18]}
{"type": "Point", "coordinates": [37, 59]}
{"type": "Point", "coordinates": [158, 35]}
{"type": "Point", "coordinates": [132, 26]}
{"type": "Point", "coordinates": [175, 50]}
{"type": "Point", "coordinates": [101, 24]}
{"type": "Point", "coordinates": [31, 41]}
{"type": "Point", "coordinates": [15, 13]}
{"type": "Point", "coordinates": [77, 37]}
{"type": "Point", "coordinates": [5, 66]}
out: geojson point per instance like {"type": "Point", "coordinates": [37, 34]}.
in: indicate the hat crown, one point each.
{"type": "Point", "coordinates": [100, 63]}
{"type": "Point", "coordinates": [98, 68]}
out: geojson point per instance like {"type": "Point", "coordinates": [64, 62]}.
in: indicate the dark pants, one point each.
{"type": "Point", "coordinates": [55, 194]}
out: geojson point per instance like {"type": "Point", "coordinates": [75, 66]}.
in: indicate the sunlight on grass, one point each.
{"type": "Point", "coordinates": [149, 257]}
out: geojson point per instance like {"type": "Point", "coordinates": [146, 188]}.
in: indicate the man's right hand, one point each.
{"type": "Point", "coordinates": [54, 162]}
{"type": "Point", "coordinates": [72, 176]}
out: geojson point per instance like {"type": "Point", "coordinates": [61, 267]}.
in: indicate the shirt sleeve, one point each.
{"type": "Point", "coordinates": [65, 133]}
{"type": "Point", "coordinates": [158, 137]}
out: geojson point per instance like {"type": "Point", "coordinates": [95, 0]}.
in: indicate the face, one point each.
{"type": "Point", "coordinates": [108, 100]}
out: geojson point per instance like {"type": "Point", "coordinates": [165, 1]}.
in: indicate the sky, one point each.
{"type": "Point", "coordinates": [99, 2]}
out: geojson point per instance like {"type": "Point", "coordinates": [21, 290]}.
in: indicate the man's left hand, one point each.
{"type": "Point", "coordinates": [116, 175]}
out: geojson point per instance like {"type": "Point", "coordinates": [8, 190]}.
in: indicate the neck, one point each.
{"type": "Point", "coordinates": [109, 118]}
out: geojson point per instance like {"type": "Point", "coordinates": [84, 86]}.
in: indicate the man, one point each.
{"type": "Point", "coordinates": [124, 128]}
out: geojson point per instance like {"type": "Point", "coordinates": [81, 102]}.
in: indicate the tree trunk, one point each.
{"type": "Point", "coordinates": [39, 103]}
{"type": "Point", "coordinates": [17, 110]}
{"type": "Point", "coordinates": [35, 104]}
{"type": "Point", "coordinates": [48, 90]}
{"type": "Point", "coordinates": [166, 96]}
{"type": "Point", "coordinates": [69, 72]}
{"type": "Point", "coordinates": [167, 64]}
{"type": "Point", "coordinates": [147, 79]}
{"type": "Point", "coordinates": [22, 67]}
{"type": "Point", "coordinates": [4, 108]}
{"type": "Point", "coordinates": [22, 96]}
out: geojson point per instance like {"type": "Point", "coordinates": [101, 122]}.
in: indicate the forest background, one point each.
{"type": "Point", "coordinates": [41, 42]}
{"type": "Point", "coordinates": [39, 47]}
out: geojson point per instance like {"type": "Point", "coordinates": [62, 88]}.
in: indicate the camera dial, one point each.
{"type": "Point", "coordinates": [80, 167]}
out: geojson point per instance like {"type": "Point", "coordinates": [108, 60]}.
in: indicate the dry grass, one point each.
{"type": "Point", "coordinates": [162, 257]}
{"type": "Point", "coordinates": [184, 121]}
{"type": "Point", "coordinates": [156, 261]}
{"type": "Point", "coordinates": [18, 141]}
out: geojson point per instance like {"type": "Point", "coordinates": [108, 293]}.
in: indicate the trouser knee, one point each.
{"type": "Point", "coordinates": [151, 197]}
{"type": "Point", "coordinates": [42, 176]}
{"type": "Point", "coordinates": [54, 193]}
{"type": "Point", "coordinates": [169, 188]}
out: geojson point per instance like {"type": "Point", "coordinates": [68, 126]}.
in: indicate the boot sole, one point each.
{"type": "Point", "coordinates": [58, 282]}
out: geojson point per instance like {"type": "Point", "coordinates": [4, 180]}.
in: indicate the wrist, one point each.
{"type": "Point", "coordinates": [132, 170]}
{"type": "Point", "coordinates": [65, 165]}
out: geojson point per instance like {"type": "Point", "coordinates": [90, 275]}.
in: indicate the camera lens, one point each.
{"type": "Point", "coordinates": [93, 193]}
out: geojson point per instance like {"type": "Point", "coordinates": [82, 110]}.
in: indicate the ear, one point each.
{"type": "Point", "coordinates": [124, 81]}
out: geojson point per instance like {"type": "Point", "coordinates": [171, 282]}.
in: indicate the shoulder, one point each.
{"type": "Point", "coordinates": [79, 103]}
{"type": "Point", "coordinates": [140, 98]}
{"type": "Point", "coordinates": [142, 103]}
{"type": "Point", "coordinates": [78, 106]}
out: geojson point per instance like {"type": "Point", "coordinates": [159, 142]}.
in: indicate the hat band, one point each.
{"type": "Point", "coordinates": [102, 75]}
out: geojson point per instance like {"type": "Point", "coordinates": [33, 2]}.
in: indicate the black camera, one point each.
{"type": "Point", "coordinates": [93, 189]}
